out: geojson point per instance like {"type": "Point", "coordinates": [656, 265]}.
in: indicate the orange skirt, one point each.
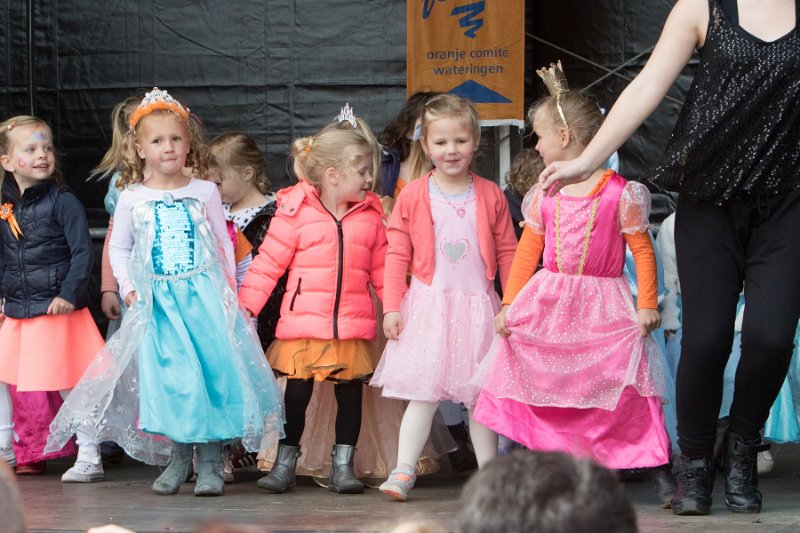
{"type": "Point", "coordinates": [48, 352]}
{"type": "Point", "coordinates": [334, 360]}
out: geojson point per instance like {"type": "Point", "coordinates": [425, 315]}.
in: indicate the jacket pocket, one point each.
{"type": "Point", "coordinates": [296, 293]}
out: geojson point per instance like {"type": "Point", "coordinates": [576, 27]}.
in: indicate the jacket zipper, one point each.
{"type": "Point", "coordinates": [21, 264]}
{"type": "Point", "coordinates": [296, 292]}
{"type": "Point", "coordinates": [339, 273]}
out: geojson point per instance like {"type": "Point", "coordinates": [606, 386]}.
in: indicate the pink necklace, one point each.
{"type": "Point", "coordinates": [459, 209]}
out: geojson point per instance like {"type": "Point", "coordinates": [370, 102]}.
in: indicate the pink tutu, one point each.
{"type": "Point", "coordinates": [435, 359]}
{"type": "Point", "coordinates": [583, 359]}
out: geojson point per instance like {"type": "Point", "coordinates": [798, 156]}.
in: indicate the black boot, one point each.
{"type": "Point", "coordinates": [281, 478]}
{"type": "Point", "coordinates": [665, 484]}
{"type": "Point", "coordinates": [343, 477]}
{"type": "Point", "coordinates": [462, 458]}
{"type": "Point", "coordinates": [695, 482]}
{"type": "Point", "coordinates": [737, 462]}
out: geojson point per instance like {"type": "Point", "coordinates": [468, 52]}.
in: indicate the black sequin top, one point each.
{"type": "Point", "coordinates": [738, 133]}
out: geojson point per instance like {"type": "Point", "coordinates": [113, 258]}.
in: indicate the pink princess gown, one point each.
{"type": "Point", "coordinates": [575, 375]}
{"type": "Point", "coordinates": [448, 324]}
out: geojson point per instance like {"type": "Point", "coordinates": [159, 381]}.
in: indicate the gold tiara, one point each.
{"type": "Point", "coordinates": [155, 100]}
{"type": "Point", "coordinates": [556, 82]}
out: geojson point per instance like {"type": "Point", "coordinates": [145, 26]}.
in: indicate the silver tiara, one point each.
{"type": "Point", "coordinates": [347, 114]}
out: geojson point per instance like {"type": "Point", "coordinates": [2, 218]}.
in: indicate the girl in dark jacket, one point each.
{"type": "Point", "coordinates": [48, 336]}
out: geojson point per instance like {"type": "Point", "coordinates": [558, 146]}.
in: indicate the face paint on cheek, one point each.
{"type": "Point", "coordinates": [21, 163]}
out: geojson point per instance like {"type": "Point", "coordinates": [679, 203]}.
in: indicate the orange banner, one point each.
{"type": "Point", "coordinates": [475, 49]}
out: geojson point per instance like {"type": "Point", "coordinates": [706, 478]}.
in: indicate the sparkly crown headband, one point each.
{"type": "Point", "coordinates": [347, 114]}
{"type": "Point", "coordinates": [556, 82]}
{"type": "Point", "coordinates": [155, 100]}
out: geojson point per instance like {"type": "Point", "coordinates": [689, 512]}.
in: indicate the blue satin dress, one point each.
{"type": "Point", "coordinates": [186, 364]}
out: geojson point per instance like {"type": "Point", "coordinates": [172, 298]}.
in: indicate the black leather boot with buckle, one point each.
{"type": "Point", "coordinates": [736, 460]}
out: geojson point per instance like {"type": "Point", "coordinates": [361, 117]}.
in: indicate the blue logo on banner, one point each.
{"type": "Point", "coordinates": [477, 93]}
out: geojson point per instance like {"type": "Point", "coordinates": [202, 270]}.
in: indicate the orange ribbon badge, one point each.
{"type": "Point", "coordinates": [7, 214]}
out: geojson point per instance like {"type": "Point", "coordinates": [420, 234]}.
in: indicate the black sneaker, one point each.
{"type": "Point", "coordinates": [694, 483]}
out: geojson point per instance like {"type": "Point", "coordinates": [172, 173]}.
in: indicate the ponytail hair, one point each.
{"type": "Point", "coordinates": [313, 155]}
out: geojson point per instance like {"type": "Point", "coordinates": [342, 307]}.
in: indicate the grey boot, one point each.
{"type": "Point", "coordinates": [177, 470]}
{"type": "Point", "coordinates": [210, 481]}
{"type": "Point", "coordinates": [281, 477]}
{"type": "Point", "coordinates": [343, 478]}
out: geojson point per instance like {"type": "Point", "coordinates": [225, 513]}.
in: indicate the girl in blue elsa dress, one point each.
{"type": "Point", "coordinates": [186, 368]}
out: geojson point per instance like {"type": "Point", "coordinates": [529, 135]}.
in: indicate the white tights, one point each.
{"type": "Point", "coordinates": [416, 427]}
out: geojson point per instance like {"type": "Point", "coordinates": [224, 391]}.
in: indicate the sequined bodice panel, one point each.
{"type": "Point", "coordinates": [737, 134]}
{"type": "Point", "coordinates": [173, 246]}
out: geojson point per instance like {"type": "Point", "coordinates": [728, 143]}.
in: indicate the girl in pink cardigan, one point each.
{"type": "Point", "coordinates": [328, 233]}
{"type": "Point", "coordinates": [452, 230]}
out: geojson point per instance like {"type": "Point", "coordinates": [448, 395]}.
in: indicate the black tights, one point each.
{"type": "Point", "coordinates": [348, 414]}
{"type": "Point", "coordinates": [751, 243]}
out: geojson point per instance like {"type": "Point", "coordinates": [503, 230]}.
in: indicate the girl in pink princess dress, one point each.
{"type": "Point", "coordinates": [575, 368]}
{"type": "Point", "coordinates": [452, 230]}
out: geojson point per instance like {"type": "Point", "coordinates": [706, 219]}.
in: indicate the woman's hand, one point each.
{"type": "Point", "coordinates": [560, 173]}
{"type": "Point", "coordinates": [59, 306]}
{"type": "Point", "coordinates": [500, 322]}
{"type": "Point", "coordinates": [392, 325]}
{"type": "Point", "coordinates": [649, 319]}
{"type": "Point", "coordinates": [130, 299]}
{"type": "Point", "coordinates": [109, 303]}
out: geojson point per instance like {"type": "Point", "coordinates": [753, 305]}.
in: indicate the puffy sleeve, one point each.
{"type": "Point", "coordinates": [532, 209]}
{"type": "Point", "coordinates": [634, 208]}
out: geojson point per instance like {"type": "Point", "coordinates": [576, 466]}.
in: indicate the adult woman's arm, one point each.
{"type": "Point", "coordinates": [683, 32]}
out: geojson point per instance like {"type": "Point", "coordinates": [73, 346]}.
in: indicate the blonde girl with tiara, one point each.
{"type": "Point", "coordinates": [575, 368]}
{"type": "Point", "coordinates": [452, 230]}
{"type": "Point", "coordinates": [328, 234]}
{"type": "Point", "coordinates": [48, 335]}
{"type": "Point", "coordinates": [185, 363]}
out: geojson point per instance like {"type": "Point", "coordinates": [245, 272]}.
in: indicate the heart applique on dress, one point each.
{"type": "Point", "coordinates": [455, 250]}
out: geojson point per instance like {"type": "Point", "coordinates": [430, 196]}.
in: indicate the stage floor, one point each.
{"type": "Point", "coordinates": [124, 498]}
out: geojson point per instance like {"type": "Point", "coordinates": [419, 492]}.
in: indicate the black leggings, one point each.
{"type": "Point", "coordinates": [751, 243]}
{"type": "Point", "coordinates": [348, 414]}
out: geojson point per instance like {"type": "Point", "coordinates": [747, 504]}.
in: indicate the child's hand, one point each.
{"type": "Point", "coordinates": [392, 325]}
{"type": "Point", "coordinates": [109, 303]}
{"type": "Point", "coordinates": [500, 322]}
{"type": "Point", "coordinates": [649, 319]}
{"type": "Point", "coordinates": [130, 299]}
{"type": "Point", "coordinates": [60, 306]}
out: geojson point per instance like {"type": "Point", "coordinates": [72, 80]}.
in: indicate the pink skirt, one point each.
{"type": "Point", "coordinates": [445, 338]}
{"type": "Point", "coordinates": [631, 436]}
{"type": "Point", "coordinates": [48, 352]}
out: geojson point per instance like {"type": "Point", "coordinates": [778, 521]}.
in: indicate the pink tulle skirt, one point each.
{"type": "Point", "coordinates": [445, 338]}
{"type": "Point", "coordinates": [630, 436]}
{"type": "Point", "coordinates": [574, 342]}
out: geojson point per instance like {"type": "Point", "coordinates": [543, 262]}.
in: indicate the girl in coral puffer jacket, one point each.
{"type": "Point", "coordinates": [328, 232]}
